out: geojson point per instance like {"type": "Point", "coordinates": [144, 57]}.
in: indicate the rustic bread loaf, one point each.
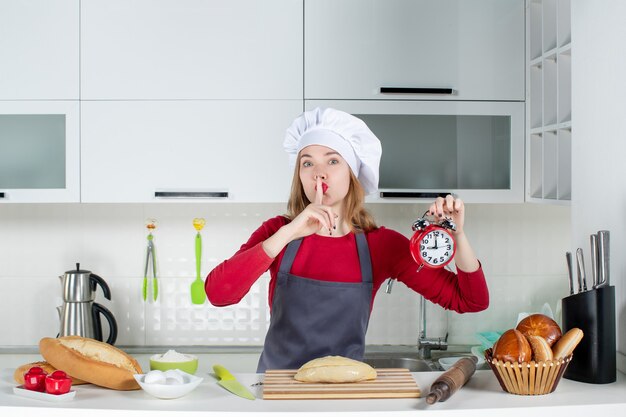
{"type": "Point", "coordinates": [512, 346]}
{"type": "Point", "coordinates": [335, 369]}
{"type": "Point", "coordinates": [540, 325]}
{"type": "Point", "coordinates": [92, 361]}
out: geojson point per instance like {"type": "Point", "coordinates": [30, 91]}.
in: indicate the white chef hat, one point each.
{"type": "Point", "coordinates": [342, 132]}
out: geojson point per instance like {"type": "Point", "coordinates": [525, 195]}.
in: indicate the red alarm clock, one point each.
{"type": "Point", "coordinates": [433, 245]}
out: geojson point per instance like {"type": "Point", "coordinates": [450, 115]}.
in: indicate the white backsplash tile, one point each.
{"type": "Point", "coordinates": [521, 248]}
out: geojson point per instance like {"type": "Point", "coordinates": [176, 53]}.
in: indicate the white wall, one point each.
{"type": "Point", "coordinates": [599, 137]}
{"type": "Point", "coordinates": [38, 242]}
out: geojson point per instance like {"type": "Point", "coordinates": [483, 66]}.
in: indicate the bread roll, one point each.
{"type": "Point", "coordinates": [512, 346]}
{"type": "Point", "coordinates": [540, 325]}
{"type": "Point", "coordinates": [18, 375]}
{"type": "Point", "coordinates": [565, 345]}
{"type": "Point", "coordinates": [541, 350]}
{"type": "Point", "coordinates": [335, 369]}
{"type": "Point", "coordinates": [92, 361]}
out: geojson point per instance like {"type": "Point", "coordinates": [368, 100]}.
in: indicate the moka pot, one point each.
{"type": "Point", "coordinates": [80, 315]}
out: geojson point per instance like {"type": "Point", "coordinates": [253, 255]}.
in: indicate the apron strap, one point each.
{"type": "Point", "coordinates": [290, 255]}
{"type": "Point", "coordinates": [365, 260]}
{"type": "Point", "coordinates": [364, 257]}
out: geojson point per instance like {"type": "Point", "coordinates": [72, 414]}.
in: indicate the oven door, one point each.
{"type": "Point", "coordinates": [474, 150]}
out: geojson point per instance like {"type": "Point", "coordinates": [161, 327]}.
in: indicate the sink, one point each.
{"type": "Point", "coordinates": [412, 364]}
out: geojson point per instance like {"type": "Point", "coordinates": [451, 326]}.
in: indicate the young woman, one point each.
{"type": "Point", "coordinates": [327, 257]}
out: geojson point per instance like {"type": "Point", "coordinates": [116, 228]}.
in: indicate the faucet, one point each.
{"type": "Point", "coordinates": [425, 344]}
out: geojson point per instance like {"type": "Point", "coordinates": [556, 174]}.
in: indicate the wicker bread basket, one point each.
{"type": "Point", "coordinates": [528, 378]}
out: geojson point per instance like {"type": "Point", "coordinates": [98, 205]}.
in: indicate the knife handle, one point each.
{"type": "Point", "coordinates": [604, 258]}
{"type": "Point", "coordinates": [570, 272]}
{"type": "Point", "coordinates": [594, 259]}
{"type": "Point", "coordinates": [222, 373]}
{"type": "Point", "coordinates": [581, 270]}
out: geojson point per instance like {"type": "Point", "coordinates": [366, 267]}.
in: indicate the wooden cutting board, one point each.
{"type": "Point", "coordinates": [279, 384]}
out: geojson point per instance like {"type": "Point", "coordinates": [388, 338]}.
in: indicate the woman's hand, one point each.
{"type": "Point", "coordinates": [315, 217]}
{"type": "Point", "coordinates": [465, 259]}
{"type": "Point", "coordinates": [449, 207]}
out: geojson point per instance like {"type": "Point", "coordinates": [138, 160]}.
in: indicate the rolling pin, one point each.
{"type": "Point", "coordinates": [451, 380]}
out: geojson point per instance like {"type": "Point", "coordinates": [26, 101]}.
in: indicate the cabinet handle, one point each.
{"type": "Point", "coordinates": [412, 194]}
{"type": "Point", "coordinates": [1, 195]}
{"type": "Point", "coordinates": [407, 90]}
{"type": "Point", "coordinates": [191, 194]}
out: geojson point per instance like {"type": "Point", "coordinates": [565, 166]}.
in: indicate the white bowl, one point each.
{"type": "Point", "coordinates": [168, 392]}
{"type": "Point", "coordinates": [479, 352]}
{"type": "Point", "coordinates": [446, 363]}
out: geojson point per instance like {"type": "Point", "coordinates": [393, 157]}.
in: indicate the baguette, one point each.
{"type": "Point", "coordinates": [18, 375]}
{"type": "Point", "coordinates": [566, 344]}
{"type": "Point", "coordinates": [92, 361]}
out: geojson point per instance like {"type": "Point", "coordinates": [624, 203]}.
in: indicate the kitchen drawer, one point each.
{"type": "Point", "coordinates": [134, 151]}
{"type": "Point", "coordinates": [353, 48]}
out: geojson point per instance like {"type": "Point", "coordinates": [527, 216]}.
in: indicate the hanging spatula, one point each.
{"type": "Point", "coordinates": [198, 296]}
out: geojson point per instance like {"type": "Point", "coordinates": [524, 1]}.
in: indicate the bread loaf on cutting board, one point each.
{"type": "Point", "coordinates": [92, 361]}
{"type": "Point", "coordinates": [335, 369]}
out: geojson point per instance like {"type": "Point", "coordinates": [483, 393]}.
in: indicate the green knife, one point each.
{"type": "Point", "coordinates": [228, 381]}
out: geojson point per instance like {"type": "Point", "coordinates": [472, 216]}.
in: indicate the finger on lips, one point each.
{"type": "Point", "coordinates": [319, 191]}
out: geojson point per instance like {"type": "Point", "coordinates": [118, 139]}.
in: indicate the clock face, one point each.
{"type": "Point", "coordinates": [437, 248]}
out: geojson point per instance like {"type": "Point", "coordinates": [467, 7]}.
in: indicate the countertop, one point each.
{"type": "Point", "coordinates": [481, 396]}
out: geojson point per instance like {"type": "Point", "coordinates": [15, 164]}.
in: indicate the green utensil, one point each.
{"type": "Point", "coordinates": [228, 381]}
{"type": "Point", "coordinates": [198, 295]}
{"type": "Point", "coordinates": [150, 259]}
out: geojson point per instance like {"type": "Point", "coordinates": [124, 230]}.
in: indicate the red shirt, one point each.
{"type": "Point", "coordinates": [336, 259]}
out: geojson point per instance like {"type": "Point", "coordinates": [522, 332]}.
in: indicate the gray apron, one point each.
{"type": "Point", "coordinates": [312, 318]}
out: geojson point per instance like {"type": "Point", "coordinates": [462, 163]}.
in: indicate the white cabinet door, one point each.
{"type": "Point", "coordinates": [194, 49]}
{"type": "Point", "coordinates": [39, 49]}
{"type": "Point", "coordinates": [353, 48]}
{"type": "Point", "coordinates": [39, 151]}
{"type": "Point", "coordinates": [132, 150]}
{"type": "Point", "coordinates": [474, 149]}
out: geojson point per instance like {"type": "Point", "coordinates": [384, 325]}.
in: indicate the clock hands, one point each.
{"type": "Point", "coordinates": [434, 247]}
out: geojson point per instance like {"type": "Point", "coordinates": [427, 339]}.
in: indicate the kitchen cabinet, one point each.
{"type": "Point", "coordinates": [472, 149]}
{"type": "Point", "coordinates": [353, 48]}
{"type": "Point", "coordinates": [197, 49]}
{"type": "Point", "coordinates": [549, 102]}
{"type": "Point", "coordinates": [39, 151]}
{"type": "Point", "coordinates": [147, 151]}
{"type": "Point", "coordinates": [39, 49]}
